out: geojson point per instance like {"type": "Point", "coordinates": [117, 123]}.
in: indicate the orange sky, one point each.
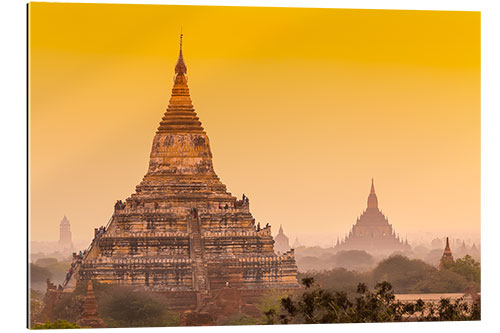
{"type": "Point", "coordinates": [302, 107]}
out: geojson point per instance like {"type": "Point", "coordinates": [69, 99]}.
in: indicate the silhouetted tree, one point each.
{"type": "Point", "coordinates": [317, 305]}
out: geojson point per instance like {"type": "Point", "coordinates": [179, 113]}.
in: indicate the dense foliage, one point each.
{"type": "Point", "coordinates": [47, 268]}
{"type": "Point", "coordinates": [317, 305]}
{"type": "Point", "coordinates": [36, 305]}
{"type": "Point", "coordinates": [121, 306]}
{"type": "Point", "coordinates": [468, 268]}
{"type": "Point", "coordinates": [316, 259]}
{"type": "Point", "coordinates": [39, 274]}
{"type": "Point", "coordinates": [353, 258]}
{"type": "Point", "coordinates": [405, 276]}
{"type": "Point", "coordinates": [127, 308]}
{"type": "Point", "coordinates": [331, 296]}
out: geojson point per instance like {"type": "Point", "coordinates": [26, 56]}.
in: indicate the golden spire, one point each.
{"type": "Point", "coordinates": [180, 67]}
{"type": "Point", "coordinates": [180, 116]}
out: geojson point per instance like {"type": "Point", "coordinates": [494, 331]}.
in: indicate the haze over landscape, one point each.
{"type": "Point", "coordinates": [300, 118]}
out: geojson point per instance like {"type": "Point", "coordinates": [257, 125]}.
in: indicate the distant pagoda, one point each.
{"type": "Point", "coordinates": [281, 242]}
{"type": "Point", "coordinates": [65, 237]}
{"type": "Point", "coordinates": [447, 255]}
{"type": "Point", "coordinates": [181, 232]}
{"type": "Point", "coordinates": [296, 244]}
{"type": "Point", "coordinates": [372, 232]}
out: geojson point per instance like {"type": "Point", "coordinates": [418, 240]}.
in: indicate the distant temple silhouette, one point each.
{"type": "Point", "coordinates": [372, 232]}
{"type": "Point", "coordinates": [281, 242]}
{"type": "Point", "coordinates": [296, 244]}
{"type": "Point", "coordinates": [65, 239]}
{"type": "Point", "coordinates": [447, 255]}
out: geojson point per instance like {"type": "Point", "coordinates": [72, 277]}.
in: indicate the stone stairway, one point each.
{"type": "Point", "coordinates": [199, 271]}
{"type": "Point", "coordinates": [70, 285]}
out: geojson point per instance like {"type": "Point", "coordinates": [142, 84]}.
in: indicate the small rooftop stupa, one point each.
{"type": "Point", "coordinates": [372, 231]}
{"type": "Point", "coordinates": [182, 233]}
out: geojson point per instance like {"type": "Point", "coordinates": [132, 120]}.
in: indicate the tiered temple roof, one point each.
{"type": "Point", "coordinates": [181, 231]}
{"type": "Point", "coordinates": [372, 231]}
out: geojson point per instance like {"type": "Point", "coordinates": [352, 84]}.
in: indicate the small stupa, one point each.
{"type": "Point", "coordinates": [90, 316]}
{"type": "Point", "coordinates": [447, 255]}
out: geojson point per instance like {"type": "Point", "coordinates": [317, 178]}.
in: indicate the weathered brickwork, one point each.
{"type": "Point", "coordinates": [181, 231]}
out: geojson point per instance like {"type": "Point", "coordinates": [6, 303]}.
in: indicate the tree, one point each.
{"type": "Point", "coordinates": [466, 267]}
{"type": "Point", "coordinates": [44, 262]}
{"type": "Point", "coordinates": [444, 281]}
{"type": "Point", "coordinates": [402, 273]}
{"type": "Point", "coordinates": [39, 274]}
{"type": "Point", "coordinates": [269, 304]}
{"type": "Point", "coordinates": [124, 307]}
{"type": "Point", "coordinates": [339, 279]}
{"type": "Point", "coordinates": [317, 305]}
{"type": "Point", "coordinates": [36, 305]}
{"type": "Point", "coordinates": [353, 258]}
{"type": "Point", "coordinates": [118, 306]}
{"type": "Point", "coordinates": [446, 310]}
{"type": "Point", "coordinates": [69, 307]}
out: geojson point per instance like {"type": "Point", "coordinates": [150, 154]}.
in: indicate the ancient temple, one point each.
{"type": "Point", "coordinates": [447, 255]}
{"type": "Point", "coordinates": [281, 242]}
{"type": "Point", "coordinates": [90, 316]}
{"type": "Point", "coordinates": [65, 239]}
{"type": "Point", "coordinates": [372, 232]}
{"type": "Point", "coordinates": [182, 233]}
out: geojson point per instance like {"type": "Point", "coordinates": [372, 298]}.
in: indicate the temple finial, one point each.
{"type": "Point", "coordinates": [372, 198]}
{"type": "Point", "coordinates": [180, 67]}
{"type": "Point", "coordinates": [447, 247]}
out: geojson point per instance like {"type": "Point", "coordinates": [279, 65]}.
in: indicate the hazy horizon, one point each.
{"type": "Point", "coordinates": [300, 116]}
